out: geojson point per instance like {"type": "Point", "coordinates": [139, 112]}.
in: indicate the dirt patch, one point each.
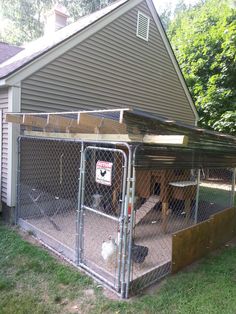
{"type": "Point", "coordinates": [110, 294]}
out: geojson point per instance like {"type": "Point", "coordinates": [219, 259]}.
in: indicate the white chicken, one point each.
{"type": "Point", "coordinates": [109, 251]}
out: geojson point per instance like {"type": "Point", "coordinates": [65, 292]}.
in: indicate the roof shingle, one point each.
{"type": "Point", "coordinates": [7, 51]}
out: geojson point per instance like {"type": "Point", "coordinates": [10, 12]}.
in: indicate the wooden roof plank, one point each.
{"type": "Point", "coordinates": [100, 124]}
{"type": "Point", "coordinates": [14, 118]}
{"type": "Point", "coordinates": [61, 123]}
{"type": "Point", "coordinates": [34, 121]}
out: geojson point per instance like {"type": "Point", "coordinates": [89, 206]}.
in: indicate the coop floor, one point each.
{"type": "Point", "coordinates": [98, 229]}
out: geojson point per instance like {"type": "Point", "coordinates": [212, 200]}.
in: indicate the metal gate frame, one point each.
{"type": "Point", "coordinates": [122, 221]}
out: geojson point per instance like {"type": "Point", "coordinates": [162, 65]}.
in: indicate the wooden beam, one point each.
{"type": "Point", "coordinates": [14, 118]}
{"type": "Point", "coordinates": [84, 136]}
{"type": "Point", "coordinates": [113, 137]}
{"type": "Point", "coordinates": [166, 139]}
{"type": "Point", "coordinates": [100, 124]}
{"type": "Point", "coordinates": [61, 123]}
{"type": "Point", "coordinates": [34, 121]}
{"type": "Point", "coordinates": [84, 123]}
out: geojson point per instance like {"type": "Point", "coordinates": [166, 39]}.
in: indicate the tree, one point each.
{"type": "Point", "coordinates": [24, 19]}
{"type": "Point", "coordinates": [165, 15]}
{"type": "Point", "coordinates": [204, 41]}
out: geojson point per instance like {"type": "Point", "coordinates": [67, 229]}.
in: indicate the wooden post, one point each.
{"type": "Point", "coordinates": [165, 207]}
{"type": "Point", "coordinates": [164, 199]}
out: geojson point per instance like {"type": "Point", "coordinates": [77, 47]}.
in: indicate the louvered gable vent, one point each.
{"type": "Point", "coordinates": [143, 26]}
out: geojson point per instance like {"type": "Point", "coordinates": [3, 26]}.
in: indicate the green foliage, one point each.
{"type": "Point", "coordinates": [204, 41]}
{"type": "Point", "coordinates": [165, 16]}
{"type": "Point", "coordinates": [24, 19]}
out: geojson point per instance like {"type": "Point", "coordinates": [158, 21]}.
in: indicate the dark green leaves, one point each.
{"type": "Point", "coordinates": [204, 41]}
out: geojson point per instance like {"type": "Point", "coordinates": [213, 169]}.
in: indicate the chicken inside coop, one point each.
{"type": "Point", "coordinates": [109, 251]}
{"type": "Point", "coordinates": [138, 253]}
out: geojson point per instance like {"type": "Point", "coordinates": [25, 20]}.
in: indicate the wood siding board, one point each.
{"type": "Point", "coordinates": [223, 227]}
{"type": "Point", "coordinates": [190, 244]}
{"type": "Point", "coordinates": [4, 157]}
{"type": "Point", "coordinates": [111, 69]}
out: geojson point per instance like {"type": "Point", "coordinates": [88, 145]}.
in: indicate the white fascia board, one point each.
{"type": "Point", "coordinates": [172, 56]}
{"type": "Point", "coordinates": [62, 48]}
{"type": "Point", "coordinates": [14, 95]}
{"type": "Point", "coordinates": [2, 82]}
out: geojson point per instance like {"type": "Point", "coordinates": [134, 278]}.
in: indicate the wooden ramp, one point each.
{"type": "Point", "coordinates": [146, 207]}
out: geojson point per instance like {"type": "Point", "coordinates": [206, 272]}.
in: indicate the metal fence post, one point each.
{"type": "Point", "coordinates": [197, 196]}
{"type": "Point", "coordinates": [131, 224]}
{"type": "Point", "coordinates": [77, 248]}
{"type": "Point", "coordinates": [17, 209]}
{"type": "Point", "coordinates": [233, 187]}
{"type": "Point", "coordinates": [124, 284]}
{"type": "Point", "coordinates": [121, 222]}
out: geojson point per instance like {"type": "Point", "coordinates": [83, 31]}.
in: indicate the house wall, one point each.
{"type": "Point", "coordinates": [111, 69]}
{"type": "Point", "coordinates": [4, 144]}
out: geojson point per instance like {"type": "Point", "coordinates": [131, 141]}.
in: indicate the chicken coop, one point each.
{"type": "Point", "coordinates": [124, 195]}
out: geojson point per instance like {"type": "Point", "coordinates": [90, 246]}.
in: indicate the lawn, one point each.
{"type": "Point", "coordinates": [218, 196]}
{"type": "Point", "coordinates": [34, 281]}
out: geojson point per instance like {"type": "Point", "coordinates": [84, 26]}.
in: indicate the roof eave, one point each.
{"type": "Point", "coordinates": [2, 82]}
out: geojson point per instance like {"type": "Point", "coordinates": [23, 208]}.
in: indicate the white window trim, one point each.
{"type": "Point", "coordinates": [148, 19]}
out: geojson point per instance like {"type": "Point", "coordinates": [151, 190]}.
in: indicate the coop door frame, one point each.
{"type": "Point", "coordinates": [120, 220]}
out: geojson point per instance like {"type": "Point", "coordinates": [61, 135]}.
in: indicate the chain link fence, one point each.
{"type": "Point", "coordinates": [102, 212]}
{"type": "Point", "coordinates": [166, 201]}
{"type": "Point", "coordinates": [48, 191]}
{"type": "Point", "coordinates": [83, 200]}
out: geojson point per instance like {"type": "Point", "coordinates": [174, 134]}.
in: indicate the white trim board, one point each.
{"type": "Point", "coordinates": [14, 96]}
{"type": "Point", "coordinates": [1, 126]}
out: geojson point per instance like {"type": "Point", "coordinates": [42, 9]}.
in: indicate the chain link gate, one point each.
{"type": "Point", "coordinates": [101, 213]}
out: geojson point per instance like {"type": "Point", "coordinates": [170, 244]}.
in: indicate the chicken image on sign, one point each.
{"type": "Point", "coordinates": [104, 172]}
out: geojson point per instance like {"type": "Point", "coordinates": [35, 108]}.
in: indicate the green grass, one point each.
{"type": "Point", "coordinates": [217, 196]}
{"type": "Point", "coordinates": [33, 281]}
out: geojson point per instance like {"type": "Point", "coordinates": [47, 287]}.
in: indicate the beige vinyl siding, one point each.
{"type": "Point", "coordinates": [111, 69]}
{"type": "Point", "coordinates": [4, 148]}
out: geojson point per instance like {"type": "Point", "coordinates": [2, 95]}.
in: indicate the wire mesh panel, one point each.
{"type": "Point", "coordinates": [102, 210]}
{"type": "Point", "coordinates": [166, 201]}
{"type": "Point", "coordinates": [48, 190]}
{"type": "Point", "coordinates": [215, 192]}
{"type": "Point", "coordinates": [84, 203]}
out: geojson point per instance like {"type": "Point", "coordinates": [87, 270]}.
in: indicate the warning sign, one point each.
{"type": "Point", "coordinates": [104, 172]}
